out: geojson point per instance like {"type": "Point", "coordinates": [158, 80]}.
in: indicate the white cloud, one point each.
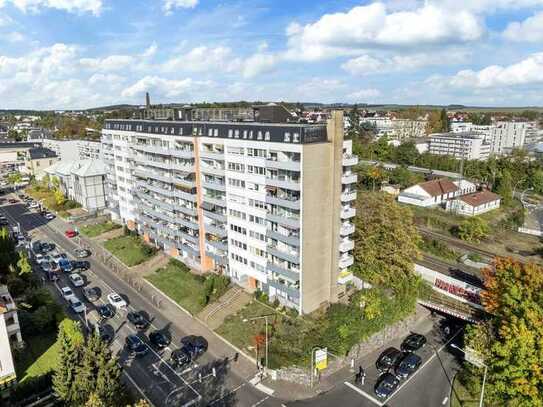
{"type": "Point", "coordinates": [71, 6]}
{"type": "Point", "coordinates": [101, 79]}
{"type": "Point", "coordinates": [363, 95]}
{"type": "Point", "coordinates": [529, 30]}
{"type": "Point", "coordinates": [526, 72]}
{"type": "Point", "coordinates": [368, 65]}
{"type": "Point", "coordinates": [203, 59]}
{"type": "Point", "coordinates": [164, 87]}
{"type": "Point", "coordinates": [15, 37]}
{"type": "Point", "coordinates": [109, 63]}
{"type": "Point", "coordinates": [4, 19]}
{"type": "Point", "coordinates": [374, 25]}
{"type": "Point", "coordinates": [170, 5]}
{"type": "Point", "coordinates": [259, 63]}
{"type": "Point", "coordinates": [151, 51]}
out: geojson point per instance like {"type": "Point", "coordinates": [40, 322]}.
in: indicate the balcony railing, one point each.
{"type": "Point", "coordinates": [215, 230]}
{"type": "Point", "coordinates": [284, 182]}
{"type": "Point", "coordinates": [277, 269]}
{"type": "Point", "coordinates": [285, 201]}
{"type": "Point", "coordinates": [345, 261]}
{"type": "Point", "coordinates": [348, 212]}
{"type": "Point", "coordinates": [290, 290]}
{"type": "Point", "coordinates": [214, 155]}
{"type": "Point", "coordinates": [346, 245]}
{"type": "Point", "coordinates": [284, 253]}
{"type": "Point", "coordinates": [349, 178]}
{"type": "Point", "coordinates": [292, 239]}
{"type": "Point", "coordinates": [290, 165]}
{"type": "Point", "coordinates": [348, 196]}
{"type": "Point", "coordinates": [207, 169]}
{"type": "Point", "coordinates": [349, 160]}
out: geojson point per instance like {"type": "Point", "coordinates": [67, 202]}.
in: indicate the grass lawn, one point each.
{"type": "Point", "coordinates": [98, 228]}
{"type": "Point", "coordinates": [131, 250]}
{"type": "Point", "coordinates": [47, 197]}
{"type": "Point", "coordinates": [461, 397]}
{"type": "Point", "coordinates": [178, 283]}
{"type": "Point", "coordinates": [37, 358]}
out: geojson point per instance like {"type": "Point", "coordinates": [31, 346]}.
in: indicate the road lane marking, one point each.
{"type": "Point", "coordinates": [261, 401]}
{"type": "Point", "coordinates": [235, 389]}
{"type": "Point", "coordinates": [363, 393]}
{"type": "Point", "coordinates": [444, 401]}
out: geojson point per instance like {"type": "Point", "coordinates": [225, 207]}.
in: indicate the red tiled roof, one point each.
{"type": "Point", "coordinates": [480, 198]}
{"type": "Point", "coordinates": [439, 187]}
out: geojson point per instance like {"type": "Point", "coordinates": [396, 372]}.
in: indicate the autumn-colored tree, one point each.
{"type": "Point", "coordinates": [386, 239]}
{"type": "Point", "coordinates": [473, 229]}
{"type": "Point", "coordinates": [512, 341]}
{"type": "Point", "coordinates": [60, 199]}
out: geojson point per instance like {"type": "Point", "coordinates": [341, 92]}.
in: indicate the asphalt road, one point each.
{"type": "Point", "coordinates": [150, 375]}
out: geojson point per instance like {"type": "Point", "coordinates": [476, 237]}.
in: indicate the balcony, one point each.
{"type": "Point", "coordinates": [350, 160]}
{"type": "Point", "coordinates": [284, 253]}
{"type": "Point", "coordinates": [218, 244]}
{"type": "Point", "coordinates": [345, 277]}
{"type": "Point", "coordinates": [208, 169]}
{"type": "Point", "coordinates": [292, 239]}
{"type": "Point", "coordinates": [290, 222]}
{"type": "Point", "coordinates": [215, 230]}
{"type": "Point", "coordinates": [346, 229]}
{"type": "Point", "coordinates": [183, 195]}
{"type": "Point", "coordinates": [346, 245]}
{"type": "Point", "coordinates": [284, 201]}
{"type": "Point", "coordinates": [218, 257]}
{"type": "Point", "coordinates": [284, 182]}
{"type": "Point", "coordinates": [291, 291]}
{"type": "Point", "coordinates": [152, 149]}
{"type": "Point", "coordinates": [348, 212]}
{"type": "Point", "coordinates": [348, 196]}
{"type": "Point", "coordinates": [218, 186]}
{"type": "Point", "coordinates": [215, 216]}
{"type": "Point", "coordinates": [345, 261]}
{"type": "Point", "coordinates": [290, 165]}
{"type": "Point", "coordinates": [181, 153]}
{"type": "Point", "coordinates": [349, 178]}
{"type": "Point", "coordinates": [187, 183]}
{"type": "Point", "coordinates": [277, 269]}
{"type": "Point", "coordinates": [166, 165]}
{"type": "Point", "coordinates": [214, 155]}
{"type": "Point", "coordinates": [214, 201]}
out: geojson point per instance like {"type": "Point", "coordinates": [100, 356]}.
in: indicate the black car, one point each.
{"type": "Point", "coordinates": [91, 294]}
{"type": "Point", "coordinates": [387, 359]}
{"type": "Point", "coordinates": [386, 385]}
{"type": "Point", "coordinates": [4, 222]}
{"type": "Point", "coordinates": [106, 311]}
{"type": "Point", "coordinates": [413, 342]}
{"type": "Point", "coordinates": [180, 358]}
{"type": "Point", "coordinates": [106, 333]}
{"type": "Point", "coordinates": [408, 365]}
{"type": "Point", "coordinates": [159, 339]}
{"type": "Point", "coordinates": [137, 320]}
{"type": "Point", "coordinates": [195, 345]}
{"type": "Point", "coordinates": [47, 247]}
{"type": "Point", "coordinates": [80, 264]}
{"type": "Point", "coordinates": [136, 346]}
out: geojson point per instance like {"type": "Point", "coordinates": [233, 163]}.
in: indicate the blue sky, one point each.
{"type": "Point", "coordinates": [60, 54]}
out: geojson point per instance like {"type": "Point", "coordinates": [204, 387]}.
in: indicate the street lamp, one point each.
{"type": "Point", "coordinates": [484, 375]}
{"type": "Point", "coordinates": [265, 318]}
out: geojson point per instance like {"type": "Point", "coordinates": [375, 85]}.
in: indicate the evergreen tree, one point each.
{"type": "Point", "coordinates": [87, 370]}
{"type": "Point", "coordinates": [71, 341]}
{"type": "Point", "coordinates": [505, 187]}
{"type": "Point", "coordinates": [108, 378]}
{"type": "Point", "coordinates": [445, 125]}
{"type": "Point", "coordinates": [94, 401]}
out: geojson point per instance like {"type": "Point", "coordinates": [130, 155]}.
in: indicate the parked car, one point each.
{"type": "Point", "coordinates": [408, 365]}
{"type": "Point", "coordinates": [386, 385]}
{"type": "Point", "coordinates": [388, 358]}
{"type": "Point", "coordinates": [106, 311]}
{"type": "Point", "coordinates": [43, 258]}
{"type": "Point", "coordinates": [136, 346]}
{"type": "Point", "coordinates": [34, 205]}
{"type": "Point", "coordinates": [80, 264]}
{"type": "Point", "coordinates": [413, 342]}
{"type": "Point", "coordinates": [76, 305]}
{"type": "Point", "coordinates": [116, 300]}
{"type": "Point", "coordinates": [138, 320]}
{"type": "Point", "coordinates": [106, 333]}
{"type": "Point", "coordinates": [195, 345]}
{"type": "Point", "coordinates": [49, 216]}
{"type": "Point", "coordinates": [56, 256]}
{"type": "Point", "coordinates": [67, 293]}
{"type": "Point", "coordinates": [4, 222]}
{"type": "Point", "coordinates": [12, 200]}
{"type": "Point", "coordinates": [47, 247]}
{"type": "Point", "coordinates": [47, 266]}
{"type": "Point", "coordinates": [159, 339]}
{"type": "Point", "coordinates": [65, 265]}
{"type": "Point", "coordinates": [77, 280]}
{"type": "Point", "coordinates": [91, 294]}
{"type": "Point", "coordinates": [180, 358]}
{"type": "Point", "coordinates": [82, 253]}
{"type": "Point", "coordinates": [70, 233]}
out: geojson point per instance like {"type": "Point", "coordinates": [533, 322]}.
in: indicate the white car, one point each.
{"type": "Point", "coordinates": [76, 280]}
{"type": "Point", "coordinates": [40, 258]}
{"type": "Point", "coordinates": [34, 205]}
{"type": "Point", "coordinates": [116, 300]}
{"type": "Point", "coordinates": [76, 305]}
{"type": "Point", "coordinates": [56, 257]}
{"type": "Point", "coordinates": [67, 293]}
{"type": "Point", "coordinates": [49, 216]}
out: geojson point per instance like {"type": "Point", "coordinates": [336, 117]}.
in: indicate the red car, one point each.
{"type": "Point", "coordinates": [70, 233]}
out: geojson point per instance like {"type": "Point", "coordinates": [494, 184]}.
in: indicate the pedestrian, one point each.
{"type": "Point", "coordinates": [357, 378]}
{"type": "Point", "coordinates": [236, 356]}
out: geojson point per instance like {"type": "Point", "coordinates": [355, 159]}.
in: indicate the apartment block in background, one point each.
{"type": "Point", "coordinates": [467, 146]}
{"type": "Point", "coordinates": [268, 204]}
{"type": "Point", "coordinates": [10, 338]}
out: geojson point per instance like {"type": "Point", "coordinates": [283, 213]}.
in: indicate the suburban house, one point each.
{"type": "Point", "coordinates": [83, 181]}
{"type": "Point", "coordinates": [474, 204]}
{"type": "Point", "coordinates": [435, 192]}
{"type": "Point", "coordinates": [38, 159]}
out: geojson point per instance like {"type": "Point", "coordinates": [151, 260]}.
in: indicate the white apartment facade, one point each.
{"type": "Point", "coordinates": [468, 127]}
{"type": "Point", "coordinates": [268, 204]}
{"type": "Point", "coordinates": [70, 150]}
{"type": "Point", "coordinates": [467, 146]}
{"type": "Point", "coordinates": [397, 129]}
{"type": "Point", "coordinates": [507, 136]}
{"type": "Point", "coordinates": [10, 338]}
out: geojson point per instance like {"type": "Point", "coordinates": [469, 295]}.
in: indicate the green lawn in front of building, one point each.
{"type": "Point", "coordinates": [38, 358]}
{"type": "Point", "coordinates": [131, 250]}
{"type": "Point", "coordinates": [98, 228]}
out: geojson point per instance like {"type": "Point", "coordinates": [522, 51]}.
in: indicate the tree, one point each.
{"type": "Point", "coordinates": [60, 199]}
{"type": "Point", "coordinates": [23, 265]}
{"type": "Point", "coordinates": [141, 403]}
{"type": "Point", "coordinates": [94, 401]}
{"type": "Point", "coordinates": [445, 125]}
{"type": "Point", "coordinates": [406, 154]}
{"type": "Point", "coordinates": [505, 187]}
{"type": "Point", "coordinates": [15, 178]}
{"type": "Point", "coordinates": [71, 342]}
{"type": "Point", "coordinates": [386, 239]}
{"type": "Point", "coordinates": [512, 343]}
{"type": "Point", "coordinates": [537, 181]}
{"type": "Point", "coordinates": [473, 229]}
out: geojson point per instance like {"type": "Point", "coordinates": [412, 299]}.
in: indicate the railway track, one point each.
{"type": "Point", "coordinates": [458, 243]}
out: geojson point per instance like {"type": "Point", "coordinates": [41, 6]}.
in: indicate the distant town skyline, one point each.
{"type": "Point", "coordinates": [62, 54]}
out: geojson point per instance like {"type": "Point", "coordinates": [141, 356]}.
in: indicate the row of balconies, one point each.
{"type": "Point", "coordinates": [349, 177]}
{"type": "Point", "coordinates": [350, 160]}
{"type": "Point", "coordinates": [347, 212]}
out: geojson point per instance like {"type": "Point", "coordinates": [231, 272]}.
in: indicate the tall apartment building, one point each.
{"type": "Point", "coordinates": [70, 150]}
{"type": "Point", "coordinates": [468, 127]}
{"type": "Point", "coordinates": [268, 204]}
{"type": "Point", "coordinates": [397, 129]}
{"type": "Point", "coordinates": [469, 146]}
{"type": "Point", "coordinates": [507, 136]}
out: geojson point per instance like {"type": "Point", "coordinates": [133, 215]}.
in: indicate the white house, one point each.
{"type": "Point", "coordinates": [474, 204]}
{"type": "Point", "coordinates": [435, 192]}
